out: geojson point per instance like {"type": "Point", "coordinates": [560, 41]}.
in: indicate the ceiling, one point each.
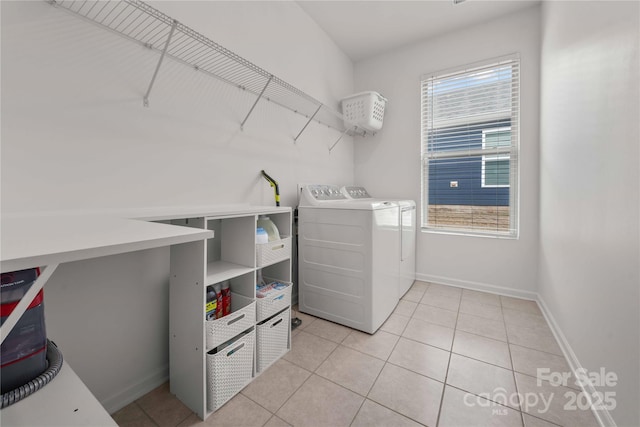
{"type": "Point", "coordinates": [367, 28]}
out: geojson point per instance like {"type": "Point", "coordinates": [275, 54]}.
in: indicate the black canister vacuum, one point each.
{"type": "Point", "coordinates": [295, 321]}
{"type": "Point", "coordinates": [28, 360]}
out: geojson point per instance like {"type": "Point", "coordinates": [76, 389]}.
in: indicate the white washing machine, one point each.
{"type": "Point", "coordinates": [408, 229]}
{"type": "Point", "coordinates": [347, 265]}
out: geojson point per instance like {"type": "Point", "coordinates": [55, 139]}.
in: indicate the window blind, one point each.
{"type": "Point", "coordinates": [470, 131]}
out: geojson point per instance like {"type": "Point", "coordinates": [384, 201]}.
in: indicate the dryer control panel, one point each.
{"type": "Point", "coordinates": [355, 192]}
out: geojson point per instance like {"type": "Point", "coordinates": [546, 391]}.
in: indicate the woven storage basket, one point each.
{"type": "Point", "coordinates": [229, 370]}
{"type": "Point", "coordinates": [273, 339]}
{"type": "Point", "coordinates": [273, 303]}
{"type": "Point", "coordinates": [272, 252]}
{"type": "Point", "coordinates": [365, 110]}
{"type": "Point", "coordinates": [227, 327]}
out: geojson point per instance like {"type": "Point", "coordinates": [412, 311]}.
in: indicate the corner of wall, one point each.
{"type": "Point", "coordinates": [142, 386]}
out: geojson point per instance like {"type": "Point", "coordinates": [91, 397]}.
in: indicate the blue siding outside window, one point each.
{"type": "Point", "coordinates": [458, 181]}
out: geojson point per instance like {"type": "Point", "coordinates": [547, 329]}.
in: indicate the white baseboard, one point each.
{"type": "Point", "coordinates": [602, 415]}
{"type": "Point", "coordinates": [478, 286]}
{"type": "Point", "coordinates": [135, 391]}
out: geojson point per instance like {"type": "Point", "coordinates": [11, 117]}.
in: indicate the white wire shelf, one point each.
{"type": "Point", "coordinates": [148, 26]}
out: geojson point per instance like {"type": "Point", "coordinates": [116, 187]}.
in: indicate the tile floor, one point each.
{"type": "Point", "coordinates": [445, 357]}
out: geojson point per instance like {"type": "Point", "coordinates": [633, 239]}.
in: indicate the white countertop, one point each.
{"type": "Point", "coordinates": [41, 240]}
{"type": "Point", "coordinates": [160, 213]}
{"type": "Point", "coordinates": [36, 239]}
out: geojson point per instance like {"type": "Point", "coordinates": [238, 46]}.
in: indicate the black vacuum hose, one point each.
{"type": "Point", "coordinates": [54, 359]}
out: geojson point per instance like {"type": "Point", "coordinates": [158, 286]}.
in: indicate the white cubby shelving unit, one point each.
{"type": "Point", "coordinates": [208, 245]}
{"type": "Point", "coordinates": [211, 361]}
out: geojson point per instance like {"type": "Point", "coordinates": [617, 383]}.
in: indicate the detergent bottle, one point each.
{"type": "Point", "coordinates": [261, 236]}
{"type": "Point", "coordinates": [226, 298]}
{"type": "Point", "coordinates": [218, 290]}
{"type": "Point", "coordinates": [268, 225]}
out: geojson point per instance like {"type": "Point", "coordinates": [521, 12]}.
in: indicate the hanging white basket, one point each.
{"type": "Point", "coordinates": [365, 110]}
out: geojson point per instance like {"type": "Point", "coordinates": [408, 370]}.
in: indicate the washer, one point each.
{"type": "Point", "coordinates": [348, 249]}
{"type": "Point", "coordinates": [408, 229]}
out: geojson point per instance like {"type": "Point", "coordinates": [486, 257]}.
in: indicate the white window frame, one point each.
{"type": "Point", "coordinates": [491, 158]}
{"type": "Point", "coordinates": [514, 157]}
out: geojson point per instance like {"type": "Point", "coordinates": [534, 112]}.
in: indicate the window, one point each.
{"type": "Point", "coordinates": [495, 168]}
{"type": "Point", "coordinates": [470, 149]}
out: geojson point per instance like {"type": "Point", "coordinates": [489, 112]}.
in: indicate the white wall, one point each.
{"type": "Point", "coordinates": [388, 165]}
{"type": "Point", "coordinates": [76, 136]}
{"type": "Point", "coordinates": [72, 111]}
{"type": "Point", "coordinates": [589, 187]}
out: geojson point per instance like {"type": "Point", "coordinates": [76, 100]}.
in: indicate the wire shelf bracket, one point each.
{"type": "Point", "coordinates": [256, 102]}
{"type": "Point", "coordinates": [307, 124]}
{"type": "Point", "coordinates": [341, 136]}
{"type": "Point", "coordinates": [162, 55]}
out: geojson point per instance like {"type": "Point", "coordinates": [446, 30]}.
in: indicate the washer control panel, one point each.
{"type": "Point", "coordinates": [326, 192]}
{"type": "Point", "coordinates": [316, 194]}
{"type": "Point", "coordinates": [356, 192]}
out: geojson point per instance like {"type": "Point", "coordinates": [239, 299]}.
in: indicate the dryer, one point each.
{"type": "Point", "coordinates": [347, 262]}
{"type": "Point", "coordinates": [408, 229]}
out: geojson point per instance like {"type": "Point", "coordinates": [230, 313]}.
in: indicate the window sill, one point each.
{"type": "Point", "coordinates": [467, 233]}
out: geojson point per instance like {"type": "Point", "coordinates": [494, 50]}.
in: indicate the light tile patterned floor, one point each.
{"type": "Point", "coordinates": [445, 357]}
